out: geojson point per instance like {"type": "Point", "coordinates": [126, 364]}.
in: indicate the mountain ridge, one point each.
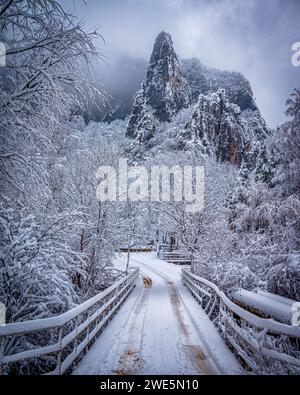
{"type": "Point", "coordinates": [225, 119]}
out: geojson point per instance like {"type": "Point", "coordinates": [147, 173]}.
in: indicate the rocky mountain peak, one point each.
{"type": "Point", "coordinates": [222, 117]}
{"type": "Point", "coordinates": [163, 48]}
{"type": "Point", "coordinates": [163, 93]}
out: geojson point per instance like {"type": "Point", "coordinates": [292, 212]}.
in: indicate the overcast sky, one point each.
{"type": "Point", "coordinates": [253, 37]}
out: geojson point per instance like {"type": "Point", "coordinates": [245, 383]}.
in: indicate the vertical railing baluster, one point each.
{"type": "Point", "coordinates": [1, 354]}
{"type": "Point", "coordinates": [88, 327]}
{"type": "Point", "coordinates": [59, 357]}
{"type": "Point", "coordinates": [76, 336]}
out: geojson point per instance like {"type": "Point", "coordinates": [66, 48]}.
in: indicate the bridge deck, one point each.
{"type": "Point", "coordinates": [159, 330]}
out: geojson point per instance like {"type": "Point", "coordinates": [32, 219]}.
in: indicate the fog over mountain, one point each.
{"type": "Point", "coordinates": [252, 37]}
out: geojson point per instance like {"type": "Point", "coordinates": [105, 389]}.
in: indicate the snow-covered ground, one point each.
{"type": "Point", "coordinates": [160, 329]}
{"type": "Point", "coordinates": [273, 306]}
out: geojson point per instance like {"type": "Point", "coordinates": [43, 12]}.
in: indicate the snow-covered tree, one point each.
{"type": "Point", "coordinates": [37, 264]}
{"type": "Point", "coordinates": [41, 83]}
{"type": "Point", "coordinates": [264, 169]}
{"type": "Point", "coordinates": [266, 221]}
{"type": "Point", "coordinates": [191, 230]}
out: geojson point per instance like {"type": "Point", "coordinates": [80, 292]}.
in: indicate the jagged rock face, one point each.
{"type": "Point", "coordinates": [163, 93]}
{"type": "Point", "coordinates": [225, 120]}
{"type": "Point", "coordinates": [166, 89]}
{"type": "Point", "coordinates": [217, 127]}
{"type": "Point", "coordinates": [195, 74]}
{"type": "Point", "coordinates": [203, 80]}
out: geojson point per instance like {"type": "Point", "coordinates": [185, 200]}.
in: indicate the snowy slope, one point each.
{"type": "Point", "coordinates": [271, 305]}
{"type": "Point", "coordinates": [159, 330]}
{"type": "Point", "coordinates": [281, 299]}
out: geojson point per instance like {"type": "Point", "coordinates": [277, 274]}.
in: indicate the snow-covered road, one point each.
{"type": "Point", "coordinates": [160, 329]}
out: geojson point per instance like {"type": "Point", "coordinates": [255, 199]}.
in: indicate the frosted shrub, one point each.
{"type": "Point", "coordinates": [284, 277]}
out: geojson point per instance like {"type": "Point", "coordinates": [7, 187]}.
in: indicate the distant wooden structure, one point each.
{"type": "Point", "coordinates": [161, 248]}
{"type": "Point", "coordinates": [178, 258]}
{"type": "Point", "coordinates": [136, 249]}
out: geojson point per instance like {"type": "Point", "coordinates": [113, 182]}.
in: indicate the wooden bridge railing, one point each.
{"type": "Point", "coordinates": [69, 334]}
{"type": "Point", "coordinates": [264, 345]}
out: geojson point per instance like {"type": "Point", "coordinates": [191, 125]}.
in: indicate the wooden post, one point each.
{"type": "Point", "coordinates": [1, 355]}
{"type": "Point", "coordinates": [88, 328]}
{"type": "Point", "coordinates": [76, 336]}
{"type": "Point", "coordinates": [59, 357]}
{"type": "Point", "coordinates": [192, 264]}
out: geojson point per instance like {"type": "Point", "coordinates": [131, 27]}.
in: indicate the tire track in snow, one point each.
{"type": "Point", "coordinates": [159, 330]}
{"type": "Point", "coordinates": [131, 360]}
{"type": "Point", "coordinates": [194, 351]}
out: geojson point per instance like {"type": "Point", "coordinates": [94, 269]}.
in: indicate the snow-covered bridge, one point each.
{"type": "Point", "coordinates": [159, 330]}
{"type": "Point", "coordinates": [166, 325]}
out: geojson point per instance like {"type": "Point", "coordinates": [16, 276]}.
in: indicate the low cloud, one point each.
{"type": "Point", "coordinates": [253, 37]}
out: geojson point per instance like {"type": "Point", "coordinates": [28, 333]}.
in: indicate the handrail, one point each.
{"type": "Point", "coordinates": [52, 322]}
{"type": "Point", "coordinates": [89, 318]}
{"type": "Point", "coordinates": [258, 322]}
{"type": "Point", "coordinates": [259, 342]}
